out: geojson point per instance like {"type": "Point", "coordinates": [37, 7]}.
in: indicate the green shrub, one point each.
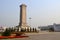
{"type": "Point", "coordinates": [6, 33]}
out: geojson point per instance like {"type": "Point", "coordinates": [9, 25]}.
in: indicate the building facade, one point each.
{"type": "Point", "coordinates": [55, 27]}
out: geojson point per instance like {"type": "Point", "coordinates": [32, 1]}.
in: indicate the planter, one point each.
{"type": "Point", "coordinates": [10, 37]}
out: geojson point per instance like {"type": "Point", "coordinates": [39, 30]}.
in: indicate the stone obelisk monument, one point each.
{"type": "Point", "coordinates": [23, 23]}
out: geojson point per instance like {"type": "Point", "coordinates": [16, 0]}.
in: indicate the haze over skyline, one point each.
{"type": "Point", "coordinates": [42, 12]}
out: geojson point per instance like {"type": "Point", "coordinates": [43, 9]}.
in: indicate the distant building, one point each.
{"type": "Point", "coordinates": [43, 28]}
{"type": "Point", "coordinates": [56, 27]}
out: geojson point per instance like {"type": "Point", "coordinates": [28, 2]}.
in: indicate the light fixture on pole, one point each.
{"type": "Point", "coordinates": [30, 20]}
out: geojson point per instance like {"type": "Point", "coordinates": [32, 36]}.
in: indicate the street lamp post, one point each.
{"type": "Point", "coordinates": [30, 21]}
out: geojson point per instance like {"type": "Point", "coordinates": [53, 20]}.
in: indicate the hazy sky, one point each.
{"type": "Point", "coordinates": [42, 12]}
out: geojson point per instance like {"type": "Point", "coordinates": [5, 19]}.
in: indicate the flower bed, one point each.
{"type": "Point", "coordinates": [2, 37]}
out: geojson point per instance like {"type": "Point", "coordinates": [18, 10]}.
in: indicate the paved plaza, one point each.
{"type": "Point", "coordinates": [40, 36]}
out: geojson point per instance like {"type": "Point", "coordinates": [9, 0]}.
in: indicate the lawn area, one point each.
{"type": "Point", "coordinates": [0, 34]}
{"type": "Point", "coordinates": [11, 39]}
